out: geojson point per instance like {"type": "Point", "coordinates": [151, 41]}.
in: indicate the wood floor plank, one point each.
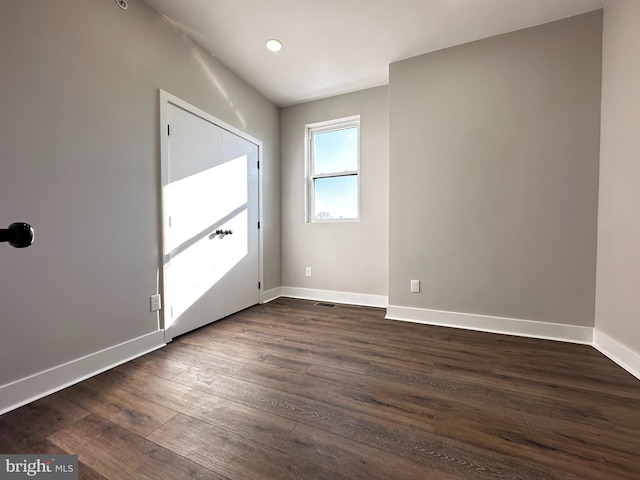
{"type": "Point", "coordinates": [117, 453]}
{"type": "Point", "coordinates": [35, 421]}
{"type": "Point", "coordinates": [119, 406]}
{"type": "Point", "coordinates": [369, 352]}
{"type": "Point", "coordinates": [233, 456]}
{"type": "Point", "coordinates": [463, 413]}
{"type": "Point", "coordinates": [251, 423]}
{"type": "Point", "coordinates": [290, 389]}
{"type": "Point", "coordinates": [588, 450]}
{"type": "Point", "coordinates": [283, 404]}
{"type": "Point", "coordinates": [353, 459]}
{"type": "Point", "coordinates": [320, 354]}
{"type": "Point", "coordinates": [414, 391]}
{"type": "Point", "coordinates": [39, 446]}
{"type": "Point", "coordinates": [195, 356]}
{"type": "Point", "coordinates": [171, 394]}
{"type": "Point", "coordinates": [382, 402]}
{"type": "Point", "coordinates": [419, 446]}
{"type": "Point", "coordinates": [260, 355]}
{"type": "Point", "coordinates": [481, 394]}
{"type": "Point", "coordinates": [156, 364]}
{"type": "Point", "coordinates": [511, 436]}
{"type": "Point", "coordinates": [573, 378]}
{"type": "Point", "coordinates": [543, 385]}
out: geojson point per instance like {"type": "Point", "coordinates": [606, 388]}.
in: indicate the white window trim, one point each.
{"type": "Point", "coordinates": [320, 127]}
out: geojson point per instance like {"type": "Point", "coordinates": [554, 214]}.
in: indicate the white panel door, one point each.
{"type": "Point", "coordinates": [239, 259]}
{"type": "Point", "coordinates": [210, 210]}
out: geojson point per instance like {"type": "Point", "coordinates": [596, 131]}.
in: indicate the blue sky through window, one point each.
{"type": "Point", "coordinates": [336, 197]}
{"type": "Point", "coordinates": [336, 151]}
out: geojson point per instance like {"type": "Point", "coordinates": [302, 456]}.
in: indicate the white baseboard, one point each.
{"type": "Point", "coordinates": [269, 295]}
{"type": "Point", "coordinates": [34, 387]}
{"type": "Point", "coordinates": [619, 353]}
{"type": "Point", "coordinates": [485, 323]}
{"type": "Point", "coordinates": [363, 299]}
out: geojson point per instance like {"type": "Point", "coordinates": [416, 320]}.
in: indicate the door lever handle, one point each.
{"type": "Point", "coordinates": [221, 234]}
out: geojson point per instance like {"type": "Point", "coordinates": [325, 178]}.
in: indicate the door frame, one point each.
{"type": "Point", "coordinates": [167, 99]}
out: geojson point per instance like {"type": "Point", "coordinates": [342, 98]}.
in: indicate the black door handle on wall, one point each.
{"type": "Point", "coordinates": [19, 235]}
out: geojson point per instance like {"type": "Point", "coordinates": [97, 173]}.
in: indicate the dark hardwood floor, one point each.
{"type": "Point", "coordinates": [291, 390]}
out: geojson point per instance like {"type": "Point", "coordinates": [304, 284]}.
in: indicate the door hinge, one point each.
{"type": "Point", "coordinates": [259, 285]}
{"type": "Point", "coordinates": [169, 222]}
{"type": "Point", "coordinates": [168, 129]}
{"type": "Point", "coordinates": [171, 312]}
{"type": "Point", "coordinates": [258, 162]}
{"type": "Point", "coordinates": [258, 225]}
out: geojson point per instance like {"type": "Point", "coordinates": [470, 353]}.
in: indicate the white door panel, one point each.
{"type": "Point", "coordinates": [196, 144]}
{"type": "Point", "coordinates": [210, 202]}
{"type": "Point", "coordinates": [188, 282]}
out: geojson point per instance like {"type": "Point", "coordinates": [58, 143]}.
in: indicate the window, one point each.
{"type": "Point", "coordinates": [333, 161]}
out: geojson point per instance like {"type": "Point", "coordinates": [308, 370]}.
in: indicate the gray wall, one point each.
{"type": "Point", "coordinates": [494, 174]}
{"type": "Point", "coordinates": [617, 299]}
{"type": "Point", "coordinates": [79, 159]}
{"type": "Point", "coordinates": [346, 257]}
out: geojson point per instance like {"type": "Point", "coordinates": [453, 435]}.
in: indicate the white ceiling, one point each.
{"type": "Point", "coordinates": [340, 46]}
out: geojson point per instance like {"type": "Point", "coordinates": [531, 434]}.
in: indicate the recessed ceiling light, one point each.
{"type": "Point", "coordinates": [274, 45]}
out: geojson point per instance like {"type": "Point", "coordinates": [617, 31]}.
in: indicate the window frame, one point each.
{"type": "Point", "coordinates": [310, 176]}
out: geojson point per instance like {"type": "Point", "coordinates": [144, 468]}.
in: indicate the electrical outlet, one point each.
{"type": "Point", "coordinates": [415, 286]}
{"type": "Point", "coordinates": [308, 272]}
{"type": "Point", "coordinates": [155, 303]}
